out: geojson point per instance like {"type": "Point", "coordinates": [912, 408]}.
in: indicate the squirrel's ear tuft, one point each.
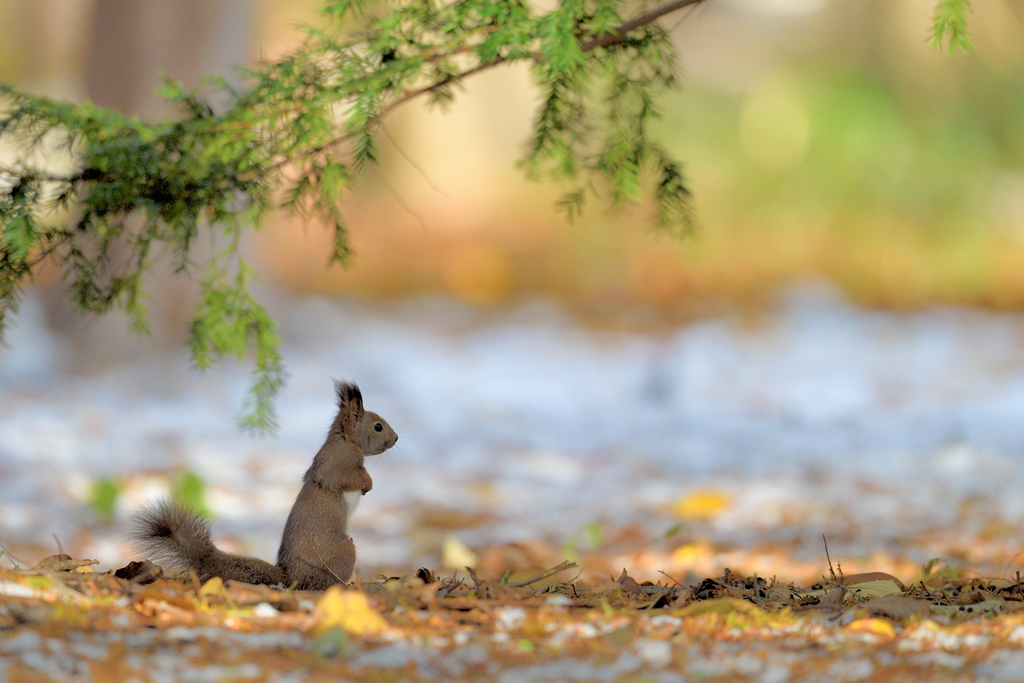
{"type": "Point", "coordinates": [350, 404]}
{"type": "Point", "coordinates": [348, 394]}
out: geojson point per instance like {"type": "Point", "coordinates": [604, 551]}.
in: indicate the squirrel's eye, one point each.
{"type": "Point", "coordinates": [378, 427]}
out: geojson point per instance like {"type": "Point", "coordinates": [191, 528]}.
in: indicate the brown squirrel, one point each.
{"type": "Point", "coordinates": [316, 551]}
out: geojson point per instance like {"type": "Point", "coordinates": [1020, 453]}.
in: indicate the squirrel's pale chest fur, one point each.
{"type": "Point", "coordinates": [316, 551]}
{"type": "Point", "coordinates": [352, 499]}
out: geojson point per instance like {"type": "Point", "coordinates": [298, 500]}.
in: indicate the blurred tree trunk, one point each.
{"type": "Point", "coordinates": [133, 43]}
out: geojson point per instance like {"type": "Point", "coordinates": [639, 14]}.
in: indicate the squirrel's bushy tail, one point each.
{"type": "Point", "coordinates": [178, 539]}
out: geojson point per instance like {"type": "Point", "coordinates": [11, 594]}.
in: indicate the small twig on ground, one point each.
{"type": "Point", "coordinates": [195, 580]}
{"type": "Point", "coordinates": [677, 582]}
{"type": "Point", "coordinates": [477, 583]}
{"type": "Point", "coordinates": [60, 548]}
{"type": "Point", "coordinates": [571, 581]}
{"type": "Point", "coordinates": [543, 575]}
{"type": "Point", "coordinates": [452, 585]}
{"type": "Point", "coordinates": [1019, 591]}
{"type": "Point", "coordinates": [833, 571]}
{"type": "Point", "coordinates": [13, 559]}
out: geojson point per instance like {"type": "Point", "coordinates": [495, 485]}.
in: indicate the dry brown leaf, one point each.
{"type": "Point", "coordinates": [973, 597]}
{"type": "Point", "coordinates": [61, 563]}
{"type": "Point", "coordinates": [629, 585]}
{"type": "Point", "coordinates": [831, 603]}
{"type": "Point", "coordinates": [895, 607]}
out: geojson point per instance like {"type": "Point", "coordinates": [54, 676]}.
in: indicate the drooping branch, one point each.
{"type": "Point", "coordinates": [616, 36]}
{"type": "Point", "coordinates": [639, 22]}
{"type": "Point", "coordinates": [221, 168]}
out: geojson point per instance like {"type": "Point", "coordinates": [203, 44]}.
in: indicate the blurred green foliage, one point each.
{"type": "Point", "coordinates": [949, 25]}
{"type": "Point", "coordinates": [298, 135]}
{"type": "Point", "coordinates": [189, 489]}
{"type": "Point", "coordinates": [104, 498]}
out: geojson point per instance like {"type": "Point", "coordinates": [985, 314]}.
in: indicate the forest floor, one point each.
{"type": "Point", "coordinates": [706, 459]}
{"type": "Point", "coordinates": [63, 621]}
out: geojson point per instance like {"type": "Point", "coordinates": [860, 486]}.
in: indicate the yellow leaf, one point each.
{"type": "Point", "coordinates": [455, 554]}
{"type": "Point", "coordinates": [348, 610]}
{"type": "Point", "coordinates": [689, 554]}
{"type": "Point", "coordinates": [718, 606]}
{"type": "Point", "coordinates": [701, 505]}
{"type": "Point", "coordinates": [937, 579]}
{"type": "Point", "coordinates": [214, 586]}
{"type": "Point", "coordinates": [879, 627]}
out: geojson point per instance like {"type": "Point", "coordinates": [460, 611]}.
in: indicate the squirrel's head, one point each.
{"type": "Point", "coordinates": [367, 430]}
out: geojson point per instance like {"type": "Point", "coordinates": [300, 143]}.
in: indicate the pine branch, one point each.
{"type": "Point", "coordinates": [616, 36]}
{"type": "Point", "coordinates": [949, 23]}
{"type": "Point", "coordinates": [222, 169]}
{"type": "Point", "coordinates": [625, 29]}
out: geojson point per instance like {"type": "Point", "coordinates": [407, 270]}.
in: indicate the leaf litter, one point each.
{"type": "Point", "coordinates": [548, 625]}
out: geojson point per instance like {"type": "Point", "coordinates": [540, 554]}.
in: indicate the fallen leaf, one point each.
{"type": "Point", "coordinates": [937, 579]}
{"type": "Point", "coordinates": [879, 627]}
{"type": "Point", "coordinates": [456, 555]}
{"type": "Point", "coordinates": [974, 597]}
{"type": "Point", "coordinates": [214, 586]}
{"type": "Point", "coordinates": [875, 589]}
{"type": "Point", "coordinates": [832, 601]}
{"type": "Point", "coordinates": [870, 577]}
{"type": "Point", "coordinates": [628, 584]}
{"type": "Point", "coordinates": [348, 610]}
{"type": "Point", "coordinates": [985, 607]}
{"type": "Point", "coordinates": [718, 606]}
{"type": "Point", "coordinates": [701, 505]}
{"type": "Point", "coordinates": [61, 563]}
{"type": "Point", "coordinates": [690, 554]}
{"type": "Point", "coordinates": [895, 607]}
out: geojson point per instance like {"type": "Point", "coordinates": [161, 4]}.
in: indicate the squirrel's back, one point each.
{"type": "Point", "coordinates": [178, 539]}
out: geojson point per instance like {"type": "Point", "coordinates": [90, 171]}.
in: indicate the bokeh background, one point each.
{"type": "Point", "coordinates": [837, 349]}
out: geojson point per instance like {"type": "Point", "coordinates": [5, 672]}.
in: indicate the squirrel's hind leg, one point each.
{"type": "Point", "coordinates": [327, 566]}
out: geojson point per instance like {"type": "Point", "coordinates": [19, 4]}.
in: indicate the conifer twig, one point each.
{"type": "Point", "coordinates": [616, 36]}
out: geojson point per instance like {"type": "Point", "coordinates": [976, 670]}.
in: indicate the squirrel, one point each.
{"type": "Point", "coordinates": [316, 551]}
